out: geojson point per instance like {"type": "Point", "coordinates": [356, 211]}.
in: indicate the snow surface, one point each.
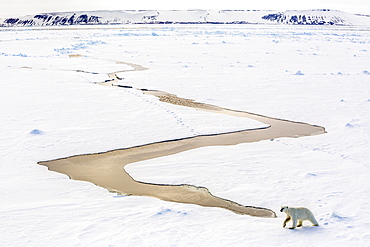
{"type": "Point", "coordinates": [50, 109]}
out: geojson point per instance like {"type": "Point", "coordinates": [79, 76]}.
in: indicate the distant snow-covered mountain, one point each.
{"type": "Point", "coordinates": [293, 17]}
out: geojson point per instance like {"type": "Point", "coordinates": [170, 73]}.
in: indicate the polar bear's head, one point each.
{"type": "Point", "coordinates": [283, 208]}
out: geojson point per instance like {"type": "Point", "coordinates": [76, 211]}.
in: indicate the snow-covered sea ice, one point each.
{"type": "Point", "coordinates": [51, 107]}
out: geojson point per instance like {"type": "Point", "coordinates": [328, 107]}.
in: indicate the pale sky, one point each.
{"type": "Point", "coordinates": [17, 8]}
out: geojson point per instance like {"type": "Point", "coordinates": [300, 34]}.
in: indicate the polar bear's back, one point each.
{"type": "Point", "coordinates": [301, 213]}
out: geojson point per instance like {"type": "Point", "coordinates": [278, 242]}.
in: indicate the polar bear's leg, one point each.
{"type": "Point", "coordinates": [294, 222]}
{"type": "Point", "coordinates": [314, 221]}
{"type": "Point", "coordinates": [286, 220]}
{"type": "Point", "coordinates": [300, 223]}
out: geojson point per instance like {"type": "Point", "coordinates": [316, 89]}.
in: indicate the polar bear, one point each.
{"type": "Point", "coordinates": [298, 215]}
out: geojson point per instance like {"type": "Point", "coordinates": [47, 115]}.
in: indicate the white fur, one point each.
{"type": "Point", "coordinates": [298, 215]}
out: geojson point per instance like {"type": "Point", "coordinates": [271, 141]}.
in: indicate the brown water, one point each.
{"type": "Point", "coordinates": [106, 169]}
